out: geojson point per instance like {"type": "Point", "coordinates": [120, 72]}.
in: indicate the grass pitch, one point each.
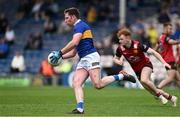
{"type": "Point", "coordinates": [59, 101]}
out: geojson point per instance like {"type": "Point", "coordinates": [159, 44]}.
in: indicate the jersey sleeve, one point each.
{"type": "Point", "coordinates": [118, 54]}
{"type": "Point", "coordinates": [79, 29]}
{"type": "Point", "coordinates": [143, 47]}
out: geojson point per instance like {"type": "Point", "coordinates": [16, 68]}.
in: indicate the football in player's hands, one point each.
{"type": "Point", "coordinates": [54, 58]}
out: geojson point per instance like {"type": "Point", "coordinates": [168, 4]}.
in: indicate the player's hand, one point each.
{"type": "Point", "coordinates": [56, 57]}
{"type": "Point", "coordinates": [167, 66]}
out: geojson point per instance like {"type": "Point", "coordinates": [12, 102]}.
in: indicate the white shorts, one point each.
{"type": "Point", "coordinates": [90, 61]}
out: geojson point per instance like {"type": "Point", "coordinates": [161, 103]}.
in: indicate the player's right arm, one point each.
{"type": "Point", "coordinates": [72, 44]}
{"type": "Point", "coordinates": [68, 49]}
{"type": "Point", "coordinates": [118, 60]}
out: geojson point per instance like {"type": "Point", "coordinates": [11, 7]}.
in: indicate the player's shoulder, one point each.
{"type": "Point", "coordinates": [163, 36]}
{"type": "Point", "coordinates": [82, 24]}
{"type": "Point", "coordinates": [120, 48]}
{"type": "Point", "coordinates": [135, 43]}
{"type": "Point", "coordinates": [81, 27]}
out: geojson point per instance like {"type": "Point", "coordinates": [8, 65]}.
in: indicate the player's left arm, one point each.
{"type": "Point", "coordinates": [158, 56]}
{"type": "Point", "coordinates": [72, 44]}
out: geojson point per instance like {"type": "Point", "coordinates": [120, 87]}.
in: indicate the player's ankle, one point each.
{"type": "Point", "coordinates": [158, 94]}
{"type": "Point", "coordinates": [80, 109]}
{"type": "Point", "coordinates": [118, 77]}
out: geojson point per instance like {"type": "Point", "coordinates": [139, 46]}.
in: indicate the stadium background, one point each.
{"type": "Point", "coordinates": [24, 94]}
{"type": "Point", "coordinates": [29, 20]}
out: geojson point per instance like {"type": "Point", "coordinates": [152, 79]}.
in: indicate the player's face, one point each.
{"type": "Point", "coordinates": [123, 40]}
{"type": "Point", "coordinates": [169, 30]}
{"type": "Point", "coordinates": [69, 19]}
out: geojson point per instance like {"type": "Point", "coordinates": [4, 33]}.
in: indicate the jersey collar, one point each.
{"type": "Point", "coordinates": [132, 43]}
{"type": "Point", "coordinates": [77, 22]}
{"type": "Point", "coordinates": [165, 34]}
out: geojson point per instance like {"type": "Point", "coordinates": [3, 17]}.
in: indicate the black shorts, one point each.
{"type": "Point", "coordinates": [173, 65]}
{"type": "Point", "coordinates": [178, 64]}
{"type": "Point", "coordinates": [138, 74]}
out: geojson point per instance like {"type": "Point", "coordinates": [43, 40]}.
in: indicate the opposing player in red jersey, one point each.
{"type": "Point", "coordinates": [178, 60]}
{"type": "Point", "coordinates": [164, 47]}
{"type": "Point", "coordinates": [133, 52]}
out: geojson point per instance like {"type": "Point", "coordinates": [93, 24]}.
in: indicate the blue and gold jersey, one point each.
{"type": "Point", "coordinates": [85, 45]}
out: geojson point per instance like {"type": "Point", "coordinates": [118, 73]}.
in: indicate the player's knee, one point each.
{"type": "Point", "coordinates": [75, 84]}
{"type": "Point", "coordinates": [144, 80]}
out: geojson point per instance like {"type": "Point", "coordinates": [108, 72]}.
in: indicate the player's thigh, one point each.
{"type": "Point", "coordinates": [178, 67]}
{"type": "Point", "coordinates": [80, 76]}
{"type": "Point", "coordinates": [146, 73]}
{"type": "Point", "coordinates": [177, 75]}
{"type": "Point", "coordinates": [95, 75]}
{"type": "Point", "coordinates": [171, 74]}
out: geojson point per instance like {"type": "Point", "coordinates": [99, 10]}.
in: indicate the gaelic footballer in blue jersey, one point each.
{"type": "Point", "coordinates": [89, 62]}
{"type": "Point", "coordinates": [85, 45]}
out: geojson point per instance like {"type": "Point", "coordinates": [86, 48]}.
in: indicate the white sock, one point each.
{"type": "Point", "coordinates": [80, 109]}
{"type": "Point", "coordinates": [118, 77]}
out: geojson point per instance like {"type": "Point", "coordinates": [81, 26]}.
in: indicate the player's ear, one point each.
{"type": "Point", "coordinates": [73, 17]}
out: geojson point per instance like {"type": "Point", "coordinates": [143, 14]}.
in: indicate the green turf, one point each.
{"type": "Point", "coordinates": [59, 101]}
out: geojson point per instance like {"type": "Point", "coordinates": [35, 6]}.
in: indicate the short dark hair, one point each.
{"type": "Point", "coordinates": [167, 24]}
{"type": "Point", "coordinates": [73, 11]}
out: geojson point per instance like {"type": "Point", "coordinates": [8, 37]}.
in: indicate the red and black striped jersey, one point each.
{"type": "Point", "coordinates": [165, 49]}
{"type": "Point", "coordinates": [134, 55]}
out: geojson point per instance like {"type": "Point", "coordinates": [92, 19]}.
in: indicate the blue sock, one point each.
{"type": "Point", "coordinates": [80, 105]}
{"type": "Point", "coordinates": [118, 77]}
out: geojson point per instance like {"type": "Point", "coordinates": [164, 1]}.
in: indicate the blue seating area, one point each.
{"type": "Point", "coordinates": [24, 27]}
{"type": "Point", "coordinates": [33, 58]}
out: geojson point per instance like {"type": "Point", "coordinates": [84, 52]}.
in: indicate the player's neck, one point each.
{"type": "Point", "coordinates": [166, 33]}
{"type": "Point", "coordinates": [76, 21]}
{"type": "Point", "coordinates": [128, 45]}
